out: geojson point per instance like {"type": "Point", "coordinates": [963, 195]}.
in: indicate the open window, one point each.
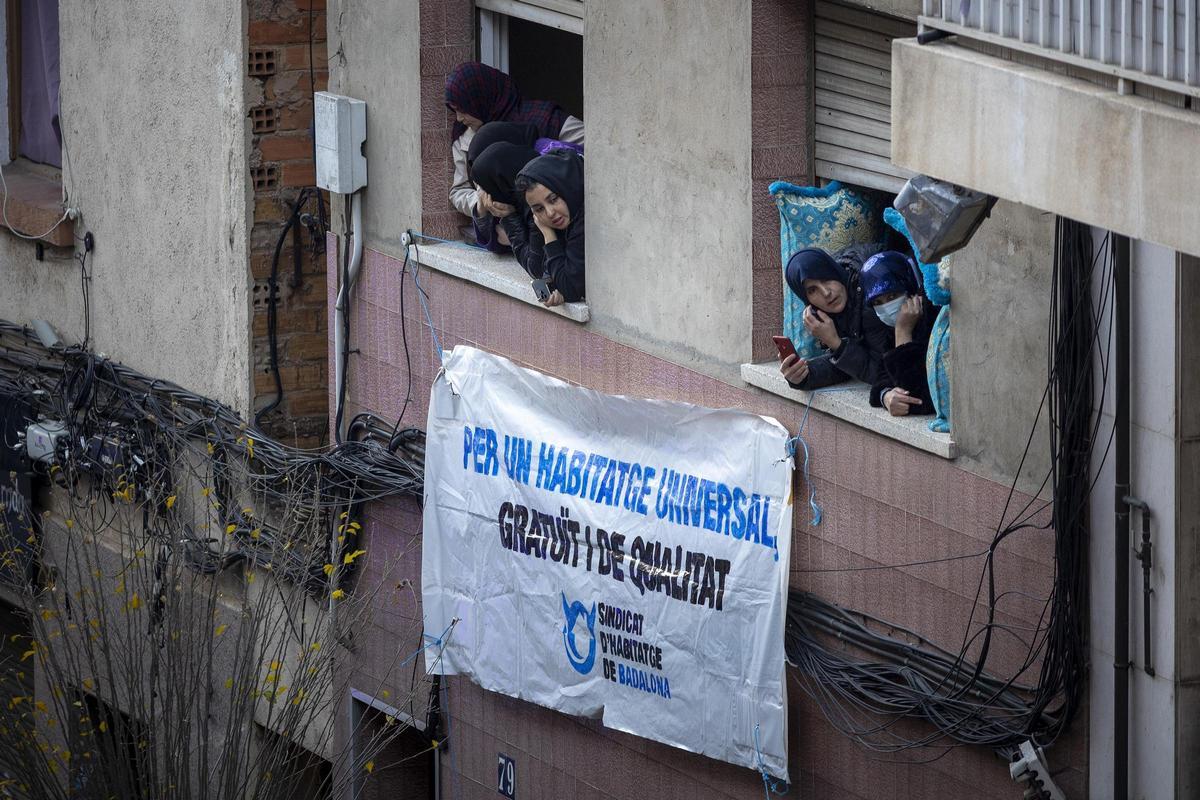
{"type": "Point", "coordinates": [852, 149]}
{"type": "Point", "coordinates": [539, 43]}
{"type": "Point", "coordinates": [30, 132]}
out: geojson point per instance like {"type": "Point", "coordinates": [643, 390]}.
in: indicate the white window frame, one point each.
{"type": "Point", "coordinates": [566, 15]}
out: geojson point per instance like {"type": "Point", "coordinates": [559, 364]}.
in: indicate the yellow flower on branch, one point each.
{"type": "Point", "coordinates": [370, 767]}
{"type": "Point", "coordinates": [220, 630]}
{"type": "Point", "coordinates": [349, 557]}
{"type": "Point", "coordinates": [327, 569]}
{"type": "Point", "coordinates": [338, 594]}
{"type": "Point", "coordinates": [171, 501]}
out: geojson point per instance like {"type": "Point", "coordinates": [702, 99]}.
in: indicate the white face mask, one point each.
{"type": "Point", "coordinates": [888, 311]}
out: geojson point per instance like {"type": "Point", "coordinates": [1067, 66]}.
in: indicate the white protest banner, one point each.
{"type": "Point", "coordinates": [610, 557]}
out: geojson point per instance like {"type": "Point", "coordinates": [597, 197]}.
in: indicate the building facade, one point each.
{"type": "Point", "coordinates": [692, 110]}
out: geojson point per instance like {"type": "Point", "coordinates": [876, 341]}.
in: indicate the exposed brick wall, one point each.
{"type": "Point", "coordinates": [280, 110]}
{"type": "Point", "coordinates": [781, 105]}
{"type": "Point", "coordinates": [447, 38]}
{"type": "Point", "coordinates": [884, 503]}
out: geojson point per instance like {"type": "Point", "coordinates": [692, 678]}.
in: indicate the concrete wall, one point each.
{"type": "Point", "coordinates": [668, 179]}
{"type": "Point", "coordinates": [375, 55]}
{"type": "Point", "coordinates": [1001, 289]}
{"type": "Point", "coordinates": [1152, 478]}
{"type": "Point", "coordinates": [155, 159]}
{"type": "Point", "coordinates": [1123, 163]}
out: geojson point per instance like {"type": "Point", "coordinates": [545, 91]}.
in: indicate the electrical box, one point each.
{"type": "Point", "coordinates": [340, 123]}
{"type": "Point", "coordinates": [43, 439]}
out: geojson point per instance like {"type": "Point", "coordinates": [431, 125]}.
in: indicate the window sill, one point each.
{"type": "Point", "coordinates": [499, 273]}
{"type": "Point", "coordinates": [849, 402]}
{"type": "Point", "coordinates": [35, 202]}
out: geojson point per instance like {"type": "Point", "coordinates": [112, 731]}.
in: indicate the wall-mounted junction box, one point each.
{"type": "Point", "coordinates": [341, 129]}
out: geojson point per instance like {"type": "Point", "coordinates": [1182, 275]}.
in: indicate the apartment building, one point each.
{"type": "Point", "coordinates": [692, 110]}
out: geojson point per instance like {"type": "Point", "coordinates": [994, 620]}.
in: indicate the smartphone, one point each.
{"type": "Point", "coordinates": [785, 347]}
{"type": "Point", "coordinates": [541, 289]}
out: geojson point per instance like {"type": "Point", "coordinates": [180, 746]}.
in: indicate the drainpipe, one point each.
{"type": "Point", "coordinates": [340, 309]}
{"type": "Point", "coordinates": [1121, 544]}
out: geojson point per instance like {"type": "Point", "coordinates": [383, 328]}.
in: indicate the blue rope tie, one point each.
{"type": "Point", "coordinates": [770, 785]}
{"type": "Point", "coordinates": [416, 269]}
{"type": "Point", "coordinates": [791, 443]}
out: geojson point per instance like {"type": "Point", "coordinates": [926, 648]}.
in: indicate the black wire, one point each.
{"type": "Point", "coordinates": [273, 303]}
{"type": "Point", "coordinates": [404, 339]}
{"type": "Point", "coordinates": [871, 680]}
{"type": "Point", "coordinates": [101, 400]}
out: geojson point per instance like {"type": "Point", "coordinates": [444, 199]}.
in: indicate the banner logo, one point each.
{"type": "Point", "coordinates": [571, 613]}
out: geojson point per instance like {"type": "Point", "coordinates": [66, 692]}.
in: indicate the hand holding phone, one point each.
{"type": "Point", "coordinates": [541, 289]}
{"type": "Point", "coordinates": [784, 345]}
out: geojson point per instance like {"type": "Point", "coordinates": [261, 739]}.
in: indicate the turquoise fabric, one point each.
{"type": "Point", "coordinates": [831, 217]}
{"type": "Point", "coordinates": [937, 277]}
{"type": "Point", "coordinates": [937, 369]}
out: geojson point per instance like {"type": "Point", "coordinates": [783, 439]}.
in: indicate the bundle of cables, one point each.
{"type": "Point", "coordinates": [867, 675]}
{"type": "Point", "coordinates": [164, 437]}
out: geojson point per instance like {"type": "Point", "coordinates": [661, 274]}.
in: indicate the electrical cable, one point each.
{"type": "Point", "coordinates": [865, 681]}
{"type": "Point", "coordinates": [14, 231]}
{"type": "Point", "coordinates": [168, 437]}
{"type": "Point", "coordinates": [292, 224]}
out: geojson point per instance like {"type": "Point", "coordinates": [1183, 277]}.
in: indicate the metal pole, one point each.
{"type": "Point", "coordinates": [1121, 540]}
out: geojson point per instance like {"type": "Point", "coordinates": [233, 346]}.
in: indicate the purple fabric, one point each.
{"type": "Point", "coordinates": [40, 140]}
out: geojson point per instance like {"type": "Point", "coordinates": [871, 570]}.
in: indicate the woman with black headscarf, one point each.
{"type": "Point", "coordinates": [495, 173]}
{"type": "Point", "coordinates": [855, 341]}
{"type": "Point", "coordinates": [488, 233]}
{"type": "Point", "coordinates": [553, 188]}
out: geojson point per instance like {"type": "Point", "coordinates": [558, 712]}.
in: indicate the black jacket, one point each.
{"type": "Point", "coordinates": [864, 337]}
{"type": "Point", "coordinates": [525, 240]}
{"type": "Point", "coordinates": [904, 366]}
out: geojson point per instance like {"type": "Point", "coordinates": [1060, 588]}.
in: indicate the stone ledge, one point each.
{"type": "Point", "coordinates": [34, 204]}
{"type": "Point", "coordinates": [499, 273]}
{"type": "Point", "coordinates": [849, 402]}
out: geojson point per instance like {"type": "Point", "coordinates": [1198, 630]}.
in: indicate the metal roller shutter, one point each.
{"type": "Point", "coordinates": [854, 95]}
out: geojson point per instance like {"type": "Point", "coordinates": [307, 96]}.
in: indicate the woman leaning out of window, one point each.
{"type": "Point", "coordinates": [488, 233]}
{"type": "Point", "coordinates": [892, 290]}
{"type": "Point", "coordinates": [478, 94]}
{"type": "Point", "coordinates": [834, 314]}
{"type": "Point", "coordinates": [553, 189]}
{"type": "Point", "coordinates": [494, 172]}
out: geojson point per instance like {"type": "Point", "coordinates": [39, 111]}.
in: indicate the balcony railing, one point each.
{"type": "Point", "coordinates": [1153, 42]}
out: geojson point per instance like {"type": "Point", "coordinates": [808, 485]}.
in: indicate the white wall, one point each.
{"type": "Point", "coordinates": [376, 56]}
{"type": "Point", "coordinates": [1152, 471]}
{"type": "Point", "coordinates": [156, 140]}
{"type": "Point", "coordinates": [667, 108]}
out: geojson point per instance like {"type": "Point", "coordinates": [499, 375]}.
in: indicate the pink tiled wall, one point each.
{"type": "Point", "coordinates": [885, 504]}
{"type": "Point", "coordinates": [781, 106]}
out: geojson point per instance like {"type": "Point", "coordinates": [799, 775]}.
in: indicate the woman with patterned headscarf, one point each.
{"type": "Point", "coordinates": [478, 94]}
